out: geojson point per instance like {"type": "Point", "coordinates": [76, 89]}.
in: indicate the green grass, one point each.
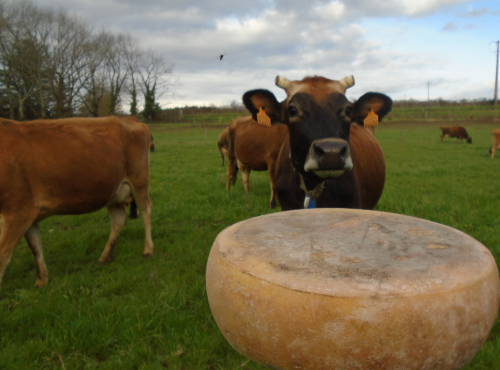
{"type": "Point", "coordinates": [154, 314]}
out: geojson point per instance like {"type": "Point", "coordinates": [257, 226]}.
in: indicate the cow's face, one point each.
{"type": "Point", "coordinates": [319, 136]}
{"type": "Point", "coordinates": [319, 122]}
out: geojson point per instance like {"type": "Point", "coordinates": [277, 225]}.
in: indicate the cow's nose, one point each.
{"type": "Point", "coordinates": [328, 154]}
{"type": "Point", "coordinates": [330, 148]}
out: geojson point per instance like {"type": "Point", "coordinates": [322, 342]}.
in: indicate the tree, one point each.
{"type": "Point", "coordinates": [52, 63]}
{"type": "Point", "coordinates": [155, 75]}
{"type": "Point", "coordinates": [23, 55]}
{"type": "Point", "coordinates": [116, 66]}
{"type": "Point", "coordinates": [92, 92]}
{"type": "Point", "coordinates": [133, 57]}
{"type": "Point", "coordinates": [68, 62]}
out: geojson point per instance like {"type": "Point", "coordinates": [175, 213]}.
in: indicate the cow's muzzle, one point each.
{"type": "Point", "coordinates": [328, 158]}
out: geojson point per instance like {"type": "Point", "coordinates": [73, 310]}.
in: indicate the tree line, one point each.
{"type": "Point", "coordinates": [54, 65]}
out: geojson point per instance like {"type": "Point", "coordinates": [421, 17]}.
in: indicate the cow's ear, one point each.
{"type": "Point", "coordinates": [257, 100]}
{"type": "Point", "coordinates": [380, 104]}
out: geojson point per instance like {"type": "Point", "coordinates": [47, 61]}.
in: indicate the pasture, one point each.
{"type": "Point", "coordinates": [153, 314]}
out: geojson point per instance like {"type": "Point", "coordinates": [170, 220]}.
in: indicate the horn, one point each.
{"type": "Point", "coordinates": [347, 82]}
{"type": "Point", "coordinates": [283, 82]}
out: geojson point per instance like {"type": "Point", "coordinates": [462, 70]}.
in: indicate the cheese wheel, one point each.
{"type": "Point", "coordinates": [352, 289]}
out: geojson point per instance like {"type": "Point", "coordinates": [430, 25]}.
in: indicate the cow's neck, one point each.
{"type": "Point", "coordinates": [311, 195]}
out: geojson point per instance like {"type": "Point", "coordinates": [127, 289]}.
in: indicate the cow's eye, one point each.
{"type": "Point", "coordinates": [292, 111]}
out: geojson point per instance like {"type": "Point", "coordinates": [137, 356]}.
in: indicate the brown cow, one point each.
{"type": "Point", "coordinates": [223, 144]}
{"type": "Point", "coordinates": [254, 147]}
{"type": "Point", "coordinates": [495, 138]}
{"type": "Point", "coordinates": [67, 167]}
{"type": "Point", "coordinates": [326, 141]}
{"type": "Point", "coordinates": [455, 131]}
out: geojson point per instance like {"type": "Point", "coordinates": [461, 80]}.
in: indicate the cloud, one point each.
{"type": "Point", "coordinates": [452, 26]}
{"type": "Point", "coordinates": [471, 12]}
{"type": "Point", "coordinates": [262, 38]}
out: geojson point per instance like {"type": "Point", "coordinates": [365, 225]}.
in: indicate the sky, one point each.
{"type": "Point", "coordinates": [406, 49]}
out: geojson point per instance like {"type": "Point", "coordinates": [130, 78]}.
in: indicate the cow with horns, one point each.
{"type": "Point", "coordinates": [328, 158]}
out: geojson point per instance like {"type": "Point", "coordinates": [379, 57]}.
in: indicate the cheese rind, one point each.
{"type": "Point", "coordinates": [301, 295]}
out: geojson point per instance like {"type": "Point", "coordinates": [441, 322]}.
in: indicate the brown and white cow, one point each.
{"type": "Point", "coordinates": [254, 147]}
{"type": "Point", "coordinates": [67, 167]}
{"type": "Point", "coordinates": [495, 139]}
{"type": "Point", "coordinates": [328, 158]}
{"type": "Point", "coordinates": [223, 144]}
{"type": "Point", "coordinates": [455, 131]}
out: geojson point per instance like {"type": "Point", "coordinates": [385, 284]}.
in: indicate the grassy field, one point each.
{"type": "Point", "coordinates": [153, 313]}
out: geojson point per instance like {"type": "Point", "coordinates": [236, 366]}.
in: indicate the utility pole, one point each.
{"type": "Point", "coordinates": [428, 87]}
{"type": "Point", "coordinates": [495, 96]}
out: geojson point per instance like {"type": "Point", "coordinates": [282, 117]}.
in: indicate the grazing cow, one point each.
{"type": "Point", "coordinates": [455, 131]}
{"type": "Point", "coordinates": [67, 167]}
{"type": "Point", "coordinates": [254, 147]}
{"type": "Point", "coordinates": [223, 144]}
{"type": "Point", "coordinates": [495, 138]}
{"type": "Point", "coordinates": [326, 141]}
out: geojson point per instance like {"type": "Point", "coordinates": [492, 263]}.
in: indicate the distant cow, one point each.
{"type": "Point", "coordinates": [67, 167]}
{"type": "Point", "coordinates": [254, 147]}
{"type": "Point", "coordinates": [223, 144]}
{"type": "Point", "coordinates": [328, 158]}
{"type": "Point", "coordinates": [495, 138]}
{"type": "Point", "coordinates": [455, 131]}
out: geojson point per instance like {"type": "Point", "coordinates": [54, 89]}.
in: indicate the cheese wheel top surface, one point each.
{"type": "Point", "coordinates": [353, 253]}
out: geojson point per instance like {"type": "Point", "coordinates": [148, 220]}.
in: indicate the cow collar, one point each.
{"type": "Point", "coordinates": [311, 195]}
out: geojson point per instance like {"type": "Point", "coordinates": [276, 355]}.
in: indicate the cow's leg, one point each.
{"type": "Point", "coordinates": [145, 205]}
{"type": "Point", "coordinates": [272, 168]}
{"type": "Point", "coordinates": [231, 169]}
{"type": "Point", "coordinates": [34, 240]}
{"type": "Point", "coordinates": [13, 230]}
{"type": "Point", "coordinates": [493, 150]}
{"type": "Point", "coordinates": [245, 175]}
{"type": "Point", "coordinates": [118, 215]}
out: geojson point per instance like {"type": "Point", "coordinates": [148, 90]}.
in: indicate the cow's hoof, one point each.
{"type": "Point", "coordinates": [40, 283]}
{"type": "Point", "coordinates": [147, 255]}
{"type": "Point", "coordinates": [103, 261]}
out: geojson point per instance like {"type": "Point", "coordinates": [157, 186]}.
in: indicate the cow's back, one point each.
{"type": "Point", "coordinates": [254, 144]}
{"type": "Point", "coordinates": [71, 166]}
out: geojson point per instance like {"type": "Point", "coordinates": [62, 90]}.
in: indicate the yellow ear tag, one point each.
{"type": "Point", "coordinates": [263, 118]}
{"type": "Point", "coordinates": [371, 119]}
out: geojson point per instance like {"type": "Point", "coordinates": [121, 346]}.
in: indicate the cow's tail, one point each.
{"type": "Point", "coordinates": [222, 155]}
{"type": "Point", "coordinates": [235, 173]}
{"type": "Point", "coordinates": [133, 210]}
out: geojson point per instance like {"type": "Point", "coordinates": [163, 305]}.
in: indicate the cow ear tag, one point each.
{"type": "Point", "coordinates": [263, 118]}
{"type": "Point", "coordinates": [371, 119]}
